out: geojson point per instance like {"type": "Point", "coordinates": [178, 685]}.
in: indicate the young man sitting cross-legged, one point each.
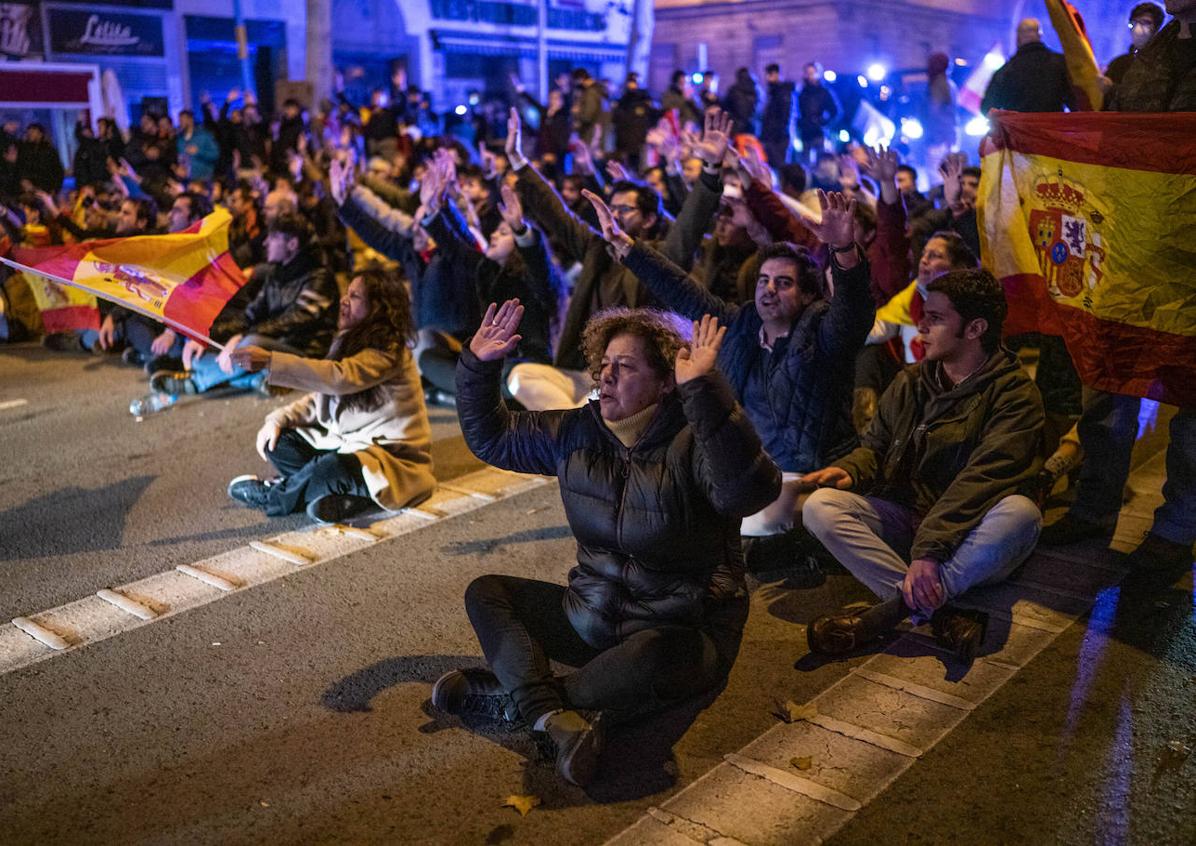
{"type": "Point", "coordinates": [929, 505]}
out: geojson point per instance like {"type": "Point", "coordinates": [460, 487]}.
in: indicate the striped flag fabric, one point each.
{"type": "Point", "coordinates": [183, 279]}
{"type": "Point", "coordinates": [1088, 219]}
{"type": "Point", "coordinates": [1082, 66]}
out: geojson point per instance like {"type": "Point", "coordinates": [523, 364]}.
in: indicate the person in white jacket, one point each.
{"type": "Point", "coordinates": [361, 439]}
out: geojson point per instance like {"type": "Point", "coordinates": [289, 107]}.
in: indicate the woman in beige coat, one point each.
{"type": "Point", "coordinates": [361, 438]}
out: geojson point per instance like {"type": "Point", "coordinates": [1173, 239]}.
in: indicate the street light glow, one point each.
{"type": "Point", "coordinates": [877, 72]}
{"type": "Point", "coordinates": [977, 127]}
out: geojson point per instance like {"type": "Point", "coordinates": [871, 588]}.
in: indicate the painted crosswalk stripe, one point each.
{"type": "Point", "coordinates": [120, 608]}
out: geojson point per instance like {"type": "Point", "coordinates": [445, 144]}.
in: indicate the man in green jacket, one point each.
{"type": "Point", "coordinates": [929, 506]}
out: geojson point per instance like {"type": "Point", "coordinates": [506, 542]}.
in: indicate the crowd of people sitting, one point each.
{"type": "Point", "coordinates": [723, 354]}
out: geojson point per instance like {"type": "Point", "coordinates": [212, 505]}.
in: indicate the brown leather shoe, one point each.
{"type": "Point", "coordinates": [838, 633]}
{"type": "Point", "coordinates": [960, 631]}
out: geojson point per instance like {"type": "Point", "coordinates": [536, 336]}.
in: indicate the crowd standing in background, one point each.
{"type": "Point", "coordinates": [734, 344]}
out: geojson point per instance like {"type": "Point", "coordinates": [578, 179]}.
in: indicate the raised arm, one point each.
{"type": "Point", "coordinates": [774, 216]}
{"type": "Point", "coordinates": [543, 204]}
{"type": "Point", "coordinates": [889, 255]}
{"type": "Point", "coordinates": [685, 235]}
{"type": "Point", "coordinates": [852, 311]}
{"type": "Point", "coordinates": [738, 476]}
{"type": "Point", "coordinates": [667, 282]}
{"type": "Point", "coordinates": [523, 441]}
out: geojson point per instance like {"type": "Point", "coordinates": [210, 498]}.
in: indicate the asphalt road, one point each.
{"type": "Point", "coordinates": [296, 711]}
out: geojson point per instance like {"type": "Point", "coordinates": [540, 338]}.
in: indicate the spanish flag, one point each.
{"type": "Point", "coordinates": [61, 309]}
{"type": "Point", "coordinates": [1077, 54]}
{"type": "Point", "coordinates": [183, 279]}
{"type": "Point", "coordinates": [1089, 219]}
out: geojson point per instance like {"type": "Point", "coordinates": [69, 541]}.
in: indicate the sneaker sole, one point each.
{"type": "Point", "coordinates": [438, 689]}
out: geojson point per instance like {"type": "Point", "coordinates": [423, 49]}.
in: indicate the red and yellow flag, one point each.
{"type": "Point", "coordinates": [183, 279]}
{"type": "Point", "coordinates": [1089, 219]}
{"type": "Point", "coordinates": [62, 309]}
{"type": "Point", "coordinates": [1082, 67]}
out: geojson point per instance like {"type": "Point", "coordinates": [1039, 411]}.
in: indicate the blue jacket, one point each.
{"type": "Point", "coordinates": [808, 389]}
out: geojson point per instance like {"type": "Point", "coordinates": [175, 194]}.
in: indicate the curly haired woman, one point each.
{"type": "Point", "coordinates": [655, 476]}
{"type": "Point", "coordinates": [361, 438]}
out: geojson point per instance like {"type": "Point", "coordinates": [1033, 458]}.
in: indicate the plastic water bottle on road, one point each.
{"type": "Point", "coordinates": [153, 403]}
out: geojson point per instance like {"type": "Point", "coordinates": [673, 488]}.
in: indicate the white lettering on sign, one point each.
{"type": "Point", "coordinates": [108, 34]}
{"type": "Point", "coordinates": [14, 29]}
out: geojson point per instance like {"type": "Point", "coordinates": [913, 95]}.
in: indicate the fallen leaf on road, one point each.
{"type": "Point", "coordinates": [264, 803]}
{"type": "Point", "coordinates": [802, 763]}
{"type": "Point", "coordinates": [521, 803]}
{"type": "Point", "coordinates": [790, 712]}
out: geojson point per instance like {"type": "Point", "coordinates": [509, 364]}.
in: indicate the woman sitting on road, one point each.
{"type": "Point", "coordinates": [655, 476]}
{"type": "Point", "coordinates": [361, 439]}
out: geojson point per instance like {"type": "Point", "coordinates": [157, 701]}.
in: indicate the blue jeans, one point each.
{"type": "Point", "coordinates": [1108, 429]}
{"type": "Point", "coordinates": [871, 537]}
{"type": "Point", "coordinates": [206, 372]}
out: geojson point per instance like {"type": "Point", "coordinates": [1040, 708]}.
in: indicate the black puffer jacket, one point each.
{"type": "Point", "coordinates": [657, 524]}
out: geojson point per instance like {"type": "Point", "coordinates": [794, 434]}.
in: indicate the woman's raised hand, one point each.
{"type": "Point", "coordinates": [496, 338]}
{"type": "Point", "coordinates": [699, 357]}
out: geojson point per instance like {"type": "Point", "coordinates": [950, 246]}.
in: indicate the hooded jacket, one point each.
{"type": "Point", "coordinates": [657, 523]}
{"type": "Point", "coordinates": [951, 454]}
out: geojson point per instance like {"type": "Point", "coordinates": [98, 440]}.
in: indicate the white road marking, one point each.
{"type": "Point", "coordinates": [898, 701]}
{"type": "Point", "coordinates": [17, 403]}
{"type": "Point", "coordinates": [294, 556]}
{"type": "Point", "coordinates": [794, 782]}
{"type": "Point", "coordinates": [113, 611]}
{"type": "Point", "coordinates": [141, 612]}
{"type": "Point", "coordinates": [41, 634]}
{"type": "Point", "coordinates": [218, 582]}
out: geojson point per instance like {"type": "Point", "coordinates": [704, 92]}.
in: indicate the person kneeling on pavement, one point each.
{"type": "Point", "coordinates": [293, 312]}
{"type": "Point", "coordinates": [655, 476]}
{"type": "Point", "coordinates": [361, 439]}
{"type": "Point", "coordinates": [937, 479]}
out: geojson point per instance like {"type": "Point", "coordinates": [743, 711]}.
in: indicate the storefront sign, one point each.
{"type": "Point", "coordinates": [20, 30]}
{"type": "Point", "coordinates": [105, 33]}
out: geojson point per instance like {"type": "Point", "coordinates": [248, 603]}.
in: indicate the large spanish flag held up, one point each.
{"type": "Point", "coordinates": [1089, 220]}
{"type": "Point", "coordinates": [183, 279]}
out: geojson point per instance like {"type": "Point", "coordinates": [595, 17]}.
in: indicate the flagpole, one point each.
{"type": "Point", "coordinates": [160, 318]}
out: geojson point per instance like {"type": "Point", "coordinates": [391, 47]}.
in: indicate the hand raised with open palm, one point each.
{"type": "Point", "coordinates": [496, 338]}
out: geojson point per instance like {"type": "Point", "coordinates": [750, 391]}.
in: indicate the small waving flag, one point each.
{"type": "Point", "coordinates": [1088, 220]}
{"type": "Point", "coordinates": [183, 279]}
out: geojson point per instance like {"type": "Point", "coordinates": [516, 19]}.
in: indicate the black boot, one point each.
{"type": "Point", "coordinates": [575, 743]}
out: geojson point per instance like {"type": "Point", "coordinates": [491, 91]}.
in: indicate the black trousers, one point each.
{"type": "Point", "coordinates": [309, 473]}
{"type": "Point", "coordinates": [522, 626]}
